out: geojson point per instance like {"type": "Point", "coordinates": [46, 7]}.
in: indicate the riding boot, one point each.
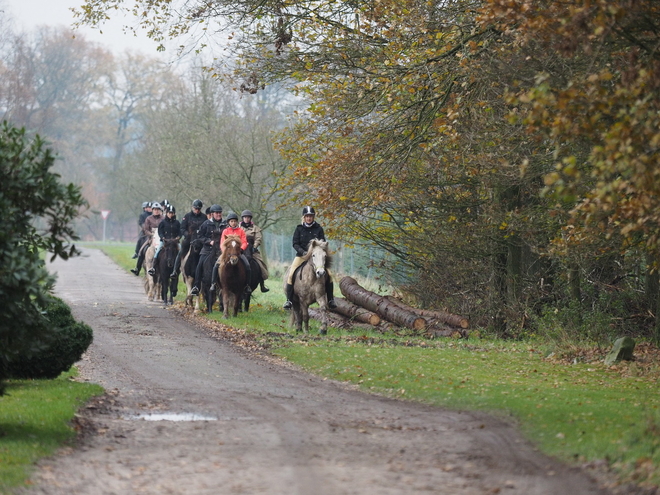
{"type": "Point", "coordinates": [263, 287]}
{"type": "Point", "coordinates": [198, 276]}
{"type": "Point", "coordinates": [214, 277]}
{"type": "Point", "coordinates": [248, 274]}
{"type": "Point", "coordinates": [329, 289]}
{"type": "Point", "coordinates": [288, 290]}
{"type": "Point", "coordinates": [154, 264]}
{"type": "Point", "coordinates": [136, 270]}
{"type": "Point", "coordinates": [177, 265]}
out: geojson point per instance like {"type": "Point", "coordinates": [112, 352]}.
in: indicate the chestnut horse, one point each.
{"type": "Point", "coordinates": [232, 274]}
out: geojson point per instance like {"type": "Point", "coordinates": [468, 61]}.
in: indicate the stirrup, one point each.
{"type": "Point", "coordinates": [213, 288]}
{"type": "Point", "coordinates": [173, 275]}
{"type": "Point", "coordinates": [287, 305]}
{"type": "Point", "coordinates": [151, 271]}
{"type": "Point", "coordinates": [194, 291]}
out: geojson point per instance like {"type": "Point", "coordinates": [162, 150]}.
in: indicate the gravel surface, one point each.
{"type": "Point", "coordinates": [192, 414]}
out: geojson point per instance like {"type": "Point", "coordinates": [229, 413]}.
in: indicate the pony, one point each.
{"type": "Point", "coordinates": [188, 267]}
{"type": "Point", "coordinates": [166, 259]}
{"type": "Point", "coordinates": [256, 278]}
{"type": "Point", "coordinates": [151, 284]}
{"type": "Point", "coordinates": [232, 275]}
{"type": "Point", "coordinates": [309, 286]}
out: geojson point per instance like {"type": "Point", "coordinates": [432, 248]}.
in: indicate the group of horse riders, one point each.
{"type": "Point", "coordinates": [210, 226]}
{"type": "Point", "coordinates": [207, 227]}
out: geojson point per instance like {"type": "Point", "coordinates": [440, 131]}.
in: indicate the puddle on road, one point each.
{"type": "Point", "coordinates": [169, 416]}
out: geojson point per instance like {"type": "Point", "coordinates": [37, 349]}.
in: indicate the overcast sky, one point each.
{"type": "Point", "coordinates": [29, 14]}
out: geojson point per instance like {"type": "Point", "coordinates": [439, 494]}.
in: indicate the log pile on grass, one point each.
{"type": "Point", "coordinates": [362, 308]}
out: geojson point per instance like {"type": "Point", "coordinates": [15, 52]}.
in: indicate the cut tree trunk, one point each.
{"type": "Point", "coordinates": [380, 305]}
{"type": "Point", "coordinates": [334, 320]}
{"type": "Point", "coordinates": [355, 312]}
{"type": "Point", "coordinates": [434, 317]}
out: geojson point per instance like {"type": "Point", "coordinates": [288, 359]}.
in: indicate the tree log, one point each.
{"type": "Point", "coordinates": [355, 312]}
{"type": "Point", "coordinates": [433, 317]}
{"type": "Point", "coordinates": [334, 320]}
{"type": "Point", "coordinates": [380, 305]}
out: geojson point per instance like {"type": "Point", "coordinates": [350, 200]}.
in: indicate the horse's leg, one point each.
{"type": "Point", "coordinates": [225, 303]}
{"type": "Point", "coordinates": [304, 309]}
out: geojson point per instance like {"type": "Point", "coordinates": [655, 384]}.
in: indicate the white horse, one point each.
{"type": "Point", "coordinates": [151, 285]}
{"type": "Point", "coordinates": [309, 286]}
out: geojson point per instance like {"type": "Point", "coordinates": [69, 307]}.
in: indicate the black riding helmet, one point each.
{"type": "Point", "coordinates": [308, 210]}
{"type": "Point", "coordinates": [246, 213]}
{"type": "Point", "coordinates": [232, 216]}
{"type": "Point", "coordinates": [197, 204]}
{"type": "Point", "coordinates": [171, 208]}
{"type": "Point", "coordinates": [216, 209]}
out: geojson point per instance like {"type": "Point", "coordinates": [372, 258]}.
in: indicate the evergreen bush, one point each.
{"type": "Point", "coordinates": [70, 339]}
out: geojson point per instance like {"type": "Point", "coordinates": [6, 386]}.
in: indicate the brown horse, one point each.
{"type": "Point", "coordinates": [232, 274]}
{"type": "Point", "coordinates": [309, 286]}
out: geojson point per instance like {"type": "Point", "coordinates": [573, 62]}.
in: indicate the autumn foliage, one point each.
{"type": "Point", "coordinates": [504, 151]}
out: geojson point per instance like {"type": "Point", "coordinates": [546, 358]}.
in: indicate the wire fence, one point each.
{"type": "Point", "coordinates": [365, 263]}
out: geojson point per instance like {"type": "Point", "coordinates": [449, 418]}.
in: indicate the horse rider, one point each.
{"type": "Point", "coordinates": [255, 238]}
{"type": "Point", "coordinates": [233, 228]}
{"type": "Point", "coordinates": [209, 229]}
{"type": "Point", "coordinates": [149, 225]}
{"type": "Point", "coordinates": [169, 228]}
{"type": "Point", "coordinates": [146, 211]}
{"type": "Point", "coordinates": [190, 224]}
{"type": "Point", "coordinates": [306, 231]}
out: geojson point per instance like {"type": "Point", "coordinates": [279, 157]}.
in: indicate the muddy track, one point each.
{"type": "Point", "coordinates": [237, 423]}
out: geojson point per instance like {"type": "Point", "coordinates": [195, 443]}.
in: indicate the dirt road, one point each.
{"type": "Point", "coordinates": [240, 424]}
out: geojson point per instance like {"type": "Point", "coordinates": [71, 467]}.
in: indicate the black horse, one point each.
{"type": "Point", "coordinates": [166, 259]}
{"type": "Point", "coordinates": [255, 279]}
{"type": "Point", "coordinates": [207, 274]}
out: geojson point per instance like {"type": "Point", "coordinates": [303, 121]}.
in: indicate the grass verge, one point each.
{"type": "Point", "coordinates": [579, 412]}
{"type": "Point", "coordinates": [35, 418]}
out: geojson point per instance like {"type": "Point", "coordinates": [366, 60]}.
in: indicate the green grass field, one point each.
{"type": "Point", "coordinates": [35, 418]}
{"type": "Point", "coordinates": [577, 412]}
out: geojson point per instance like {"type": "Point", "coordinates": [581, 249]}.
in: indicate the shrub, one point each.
{"type": "Point", "coordinates": [69, 341]}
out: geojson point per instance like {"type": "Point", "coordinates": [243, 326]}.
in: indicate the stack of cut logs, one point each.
{"type": "Point", "coordinates": [365, 309]}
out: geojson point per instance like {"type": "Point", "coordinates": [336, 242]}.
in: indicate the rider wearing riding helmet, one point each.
{"type": "Point", "coordinates": [255, 238]}
{"type": "Point", "coordinates": [149, 225]}
{"type": "Point", "coordinates": [233, 229]}
{"type": "Point", "coordinates": [209, 230]}
{"type": "Point", "coordinates": [190, 224]}
{"type": "Point", "coordinates": [306, 231]}
{"type": "Point", "coordinates": [146, 211]}
{"type": "Point", "coordinates": [169, 228]}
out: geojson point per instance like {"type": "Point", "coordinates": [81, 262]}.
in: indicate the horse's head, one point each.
{"type": "Point", "coordinates": [319, 256]}
{"type": "Point", "coordinates": [231, 250]}
{"type": "Point", "coordinates": [196, 245]}
{"type": "Point", "coordinates": [171, 248]}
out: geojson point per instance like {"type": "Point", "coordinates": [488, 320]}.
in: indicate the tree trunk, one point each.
{"type": "Point", "coordinates": [433, 317]}
{"type": "Point", "coordinates": [334, 320]}
{"type": "Point", "coordinates": [355, 312]}
{"type": "Point", "coordinates": [380, 305]}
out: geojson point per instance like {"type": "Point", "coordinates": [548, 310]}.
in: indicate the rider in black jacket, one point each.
{"type": "Point", "coordinates": [190, 225]}
{"type": "Point", "coordinates": [169, 228]}
{"type": "Point", "coordinates": [306, 231]}
{"type": "Point", "coordinates": [210, 233]}
{"type": "Point", "coordinates": [146, 212]}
